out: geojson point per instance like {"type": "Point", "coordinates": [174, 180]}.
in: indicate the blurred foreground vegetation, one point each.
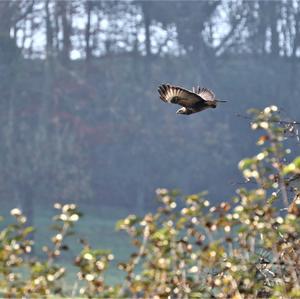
{"type": "Point", "coordinates": [241, 248]}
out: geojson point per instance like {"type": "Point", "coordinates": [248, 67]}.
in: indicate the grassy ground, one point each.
{"type": "Point", "coordinates": [97, 226]}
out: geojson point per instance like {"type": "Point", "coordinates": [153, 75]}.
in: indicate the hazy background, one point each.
{"type": "Point", "coordinates": [81, 120]}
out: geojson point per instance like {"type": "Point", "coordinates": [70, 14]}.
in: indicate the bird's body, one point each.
{"type": "Point", "coordinates": [191, 101]}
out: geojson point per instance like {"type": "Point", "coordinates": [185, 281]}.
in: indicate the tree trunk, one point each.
{"type": "Point", "coordinates": [7, 44]}
{"type": "Point", "coordinates": [293, 62]}
{"type": "Point", "coordinates": [297, 34]}
{"type": "Point", "coordinates": [273, 14]}
{"type": "Point", "coordinates": [49, 32]}
{"type": "Point", "coordinates": [66, 29]}
{"type": "Point", "coordinates": [88, 50]}
{"type": "Point", "coordinates": [147, 23]}
{"type": "Point", "coordinates": [5, 19]}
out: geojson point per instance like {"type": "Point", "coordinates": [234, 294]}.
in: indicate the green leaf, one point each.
{"type": "Point", "coordinates": [28, 230]}
{"type": "Point", "coordinates": [246, 163]}
{"type": "Point", "coordinates": [297, 162]}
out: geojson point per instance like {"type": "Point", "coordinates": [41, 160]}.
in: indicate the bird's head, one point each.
{"type": "Point", "coordinates": [215, 102]}
{"type": "Point", "coordinates": [183, 110]}
{"type": "Point", "coordinates": [212, 104]}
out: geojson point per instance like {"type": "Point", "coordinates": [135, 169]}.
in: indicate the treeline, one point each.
{"type": "Point", "coordinates": [87, 29]}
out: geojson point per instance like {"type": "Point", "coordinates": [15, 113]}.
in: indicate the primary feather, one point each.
{"type": "Point", "coordinates": [206, 94]}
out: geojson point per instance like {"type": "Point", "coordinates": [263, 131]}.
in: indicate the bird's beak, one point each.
{"type": "Point", "coordinates": [221, 101]}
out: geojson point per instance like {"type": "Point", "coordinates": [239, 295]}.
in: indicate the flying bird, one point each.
{"type": "Point", "coordinates": [199, 99]}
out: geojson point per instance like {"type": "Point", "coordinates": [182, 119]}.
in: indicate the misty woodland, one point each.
{"type": "Point", "coordinates": [148, 203]}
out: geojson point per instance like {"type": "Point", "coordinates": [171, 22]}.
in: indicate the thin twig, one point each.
{"type": "Point", "coordinates": [136, 260]}
{"type": "Point", "coordinates": [283, 122]}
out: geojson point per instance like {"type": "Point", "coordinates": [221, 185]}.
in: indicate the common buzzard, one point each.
{"type": "Point", "coordinates": [191, 101]}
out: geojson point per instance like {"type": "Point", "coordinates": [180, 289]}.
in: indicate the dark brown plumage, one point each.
{"type": "Point", "coordinates": [192, 101]}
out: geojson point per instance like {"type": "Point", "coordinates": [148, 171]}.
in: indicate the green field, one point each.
{"type": "Point", "coordinates": [97, 226]}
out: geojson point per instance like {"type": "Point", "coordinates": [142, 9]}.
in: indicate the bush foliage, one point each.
{"type": "Point", "coordinates": [241, 248]}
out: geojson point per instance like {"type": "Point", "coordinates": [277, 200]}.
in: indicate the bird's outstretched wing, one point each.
{"type": "Point", "coordinates": [206, 94]}
{"type": "Point", "coordinates": [178, 95]}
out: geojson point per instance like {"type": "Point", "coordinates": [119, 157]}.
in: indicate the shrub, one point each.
{"type": "Point", "coordinates": [241, 248]}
